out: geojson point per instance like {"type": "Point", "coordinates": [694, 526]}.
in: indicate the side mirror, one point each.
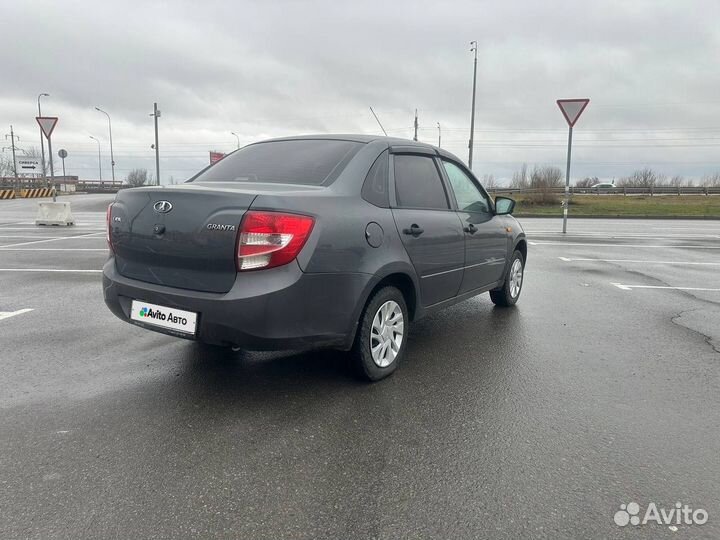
{"type": "Point", "coordinates": [504, 206]}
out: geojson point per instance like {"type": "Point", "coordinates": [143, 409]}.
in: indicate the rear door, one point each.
{"type": "Point", "coordinates": [486, 237]}
{"type": "Point", "coordinates": [430, 231]}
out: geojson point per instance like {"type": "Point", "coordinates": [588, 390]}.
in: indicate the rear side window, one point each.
{"type": "Point", "coordinates": [375, 188]}
{"type": "Point", "coordinates": [418, 183]}
{"type": "Point", "coordinates": [300, 161]}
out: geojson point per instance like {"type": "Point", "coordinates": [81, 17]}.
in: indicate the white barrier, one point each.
{"type": "Point", "coordinates": [54, 213]}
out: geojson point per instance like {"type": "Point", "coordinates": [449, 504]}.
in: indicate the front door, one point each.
{"type": "Point", "coordinates": [486, 237]}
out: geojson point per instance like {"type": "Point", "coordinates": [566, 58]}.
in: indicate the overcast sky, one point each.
{"type": "Point", "coordinates": [273, 68]}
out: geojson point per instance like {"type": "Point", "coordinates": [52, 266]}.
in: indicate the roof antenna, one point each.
{"type": "Point", "coordinates": [378, 121]}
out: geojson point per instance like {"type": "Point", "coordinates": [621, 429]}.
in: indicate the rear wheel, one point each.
{"type": "Point", "coordinates": [509, 293]}
{"type": "Point", "coordinates": [382, 335]}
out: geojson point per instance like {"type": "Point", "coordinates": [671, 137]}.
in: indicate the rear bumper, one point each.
{"type": "Point", "coordinates": [276, 309]}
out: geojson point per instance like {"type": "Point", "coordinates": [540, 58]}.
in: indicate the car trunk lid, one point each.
{"type": "Point", "coordinates": [180, 236]}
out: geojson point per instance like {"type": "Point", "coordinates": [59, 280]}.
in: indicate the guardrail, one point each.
{"type": "Point", "coordinates": [654, 190]}
{"type": "Point", "coordinates": [97, 186]}
{"type": "Point", "coordinates": [87, 186]}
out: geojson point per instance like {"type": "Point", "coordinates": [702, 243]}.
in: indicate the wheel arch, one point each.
{"type": "Point", "coordinates": [521, 246]}
{"type": "Point", "coordinates": [397, 275]}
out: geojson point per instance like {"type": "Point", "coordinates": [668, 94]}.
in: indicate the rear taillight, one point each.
{"type": "Point", "coordinates": [268, 239]}
{"type": "Point", "coordinates": [108, 226]}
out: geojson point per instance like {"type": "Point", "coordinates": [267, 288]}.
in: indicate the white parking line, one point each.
{"type": "Point", "coordinates": [79, 236]}
{"type": "Point", "coordinates": [52, 249]}
{"type": "Point", "coordinates": [611, 235]}
{"type": "Point", "coordinates": [619, 245]}
{"type": "Point", "coordinates": [631, 287]}
{"type": "Point", "coordinates": [572, 259]}
{"type": "Point", "coordinates": [48, 270]}
{"type": "Point", "coordinates": [24, 236]}
{"type": "Point", "coordinates": [44, 230]}
{"type": "Point", "coordinates": [8, 314]}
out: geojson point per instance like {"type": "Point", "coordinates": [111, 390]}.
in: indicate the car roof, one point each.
{"type": "Point", "coordinates": [392, 142]}
{"type": "Point", "coordinates": [361, 138]}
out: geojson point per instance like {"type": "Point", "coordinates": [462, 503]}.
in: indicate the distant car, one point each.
{"type": "Point", "coordinates": [323, 241]}
{"type": "Point", "coordinates": [603, 185]}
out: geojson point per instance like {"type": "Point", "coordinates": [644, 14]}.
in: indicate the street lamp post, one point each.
{"type": "Point", "coordinates": [473, 47]}
{"type": "Point", "coordinates": [42, 139]}
{"type": "Point", "coordinates": [156, 113]}
{"type": "Point", "coordinates": [236, 136]}
{"type": "Point", "coordinates": [112, 157]}
{"type": "Point", "coordinates": [99, 159]}
{"type": "Point", "coordinates": [439, 135]}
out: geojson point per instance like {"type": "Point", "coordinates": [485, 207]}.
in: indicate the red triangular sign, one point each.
{"type": "Point", "coordinates": [572, 109]}
{"type": "Point", "coordinates": [47, 124]}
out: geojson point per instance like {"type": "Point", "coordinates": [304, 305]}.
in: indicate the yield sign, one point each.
{"type": "Point", "coordinates": [572, 109]}
{"type": "Point", "coordinates": [47, 124]}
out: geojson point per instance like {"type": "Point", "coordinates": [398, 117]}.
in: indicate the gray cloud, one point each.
{"type": "Point", "coordinates": [273, 68]}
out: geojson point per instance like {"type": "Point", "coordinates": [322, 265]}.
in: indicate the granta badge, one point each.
{"type": "Point", "coordinates": [218, 227]}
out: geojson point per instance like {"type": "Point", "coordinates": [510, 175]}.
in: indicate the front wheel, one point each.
{"type": "Point", "coordinates": [382, 335]}
{"type": "Point", "coordinates": [509, 293]}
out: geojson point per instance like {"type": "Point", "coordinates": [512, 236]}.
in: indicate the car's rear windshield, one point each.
{"type": "Point", "coordinates": [298, 161]}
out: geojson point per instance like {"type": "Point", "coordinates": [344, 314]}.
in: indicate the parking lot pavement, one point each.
{"type": "Point", "coordinates": [600, 388]}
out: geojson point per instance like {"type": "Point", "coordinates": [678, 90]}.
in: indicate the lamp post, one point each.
{"type": "Point", "coordinates": [439, 135]}
{"type": "Point", "coordinates": [473, 48]}
{"type": "Point", "coordinates": [112, 157]}
{"type": "Point", "coordinates": [42, 139]}
{"type": "Point", "coordinates": [99, 160]}
{"type": "Point", "coordinates": [236, 136]}
{"type": "Point", "coordinates": [156, 114]}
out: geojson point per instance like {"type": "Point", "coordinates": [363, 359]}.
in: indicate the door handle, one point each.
{"type": "Point", "coordinates": [414, 230]}
{"type": "Point", "coordinates": [472, 229]}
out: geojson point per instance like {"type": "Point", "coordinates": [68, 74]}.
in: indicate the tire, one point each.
{"type": "Point", "coordinates": [509, 293]}
{"type": "Point", "coordinates": [389, 340]}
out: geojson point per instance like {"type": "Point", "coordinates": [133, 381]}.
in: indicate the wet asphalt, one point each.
{"type": "Point", "coordinates": [533, 422]}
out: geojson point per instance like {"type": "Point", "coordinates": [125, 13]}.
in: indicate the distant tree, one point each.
{"type": "Point", "coordinates": [489, 182]}
{"type": "Point", "coordinates": [542, 181]}
{"type": "Point", "coordinates": [677, 181]}
{"type": "Point", "coordinates": [520, 178]}
{"type": "Point", "coordinates": [137, 177]}
{"type": "Point", "coordinates": [587, 182]}
{"type": "Point", "coordinates": [7, 168]}
{"type": "Point", "coordinates": [642, 178]}
{"type": "Point", "coordinates": [711, 180]}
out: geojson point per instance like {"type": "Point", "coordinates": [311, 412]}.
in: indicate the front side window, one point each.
{"type": "Point", "coordinates": [298, 161]}
{"type": "Point", "coordinates": [418, 183]}
{"type": "Point", "coordinates": [468, 195]}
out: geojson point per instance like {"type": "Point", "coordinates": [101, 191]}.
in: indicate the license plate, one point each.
{"type": "Point", "coordinates": [164, 317]}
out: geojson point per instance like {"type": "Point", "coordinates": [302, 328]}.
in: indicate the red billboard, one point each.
{"type": "Point", "coordinates": [215, 157]}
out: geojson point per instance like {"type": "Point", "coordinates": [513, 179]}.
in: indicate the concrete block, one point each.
{"type": "Point", "coordinates": [54, 213]}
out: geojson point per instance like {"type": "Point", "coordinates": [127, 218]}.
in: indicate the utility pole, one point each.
{"type": "Point", "coordinates": [473, 48]}
{"type": "Point", "coordinates": [112, 156]}
{"type": "Point", "coordinates": [156, 114]}
{"type": "Point", "coordinates": [42, 138]}
{"type": "Point", "coordinates": [12, 145]}
{"type": "Point", "coordinates": [99, 158]}
{"type": "Point", "coordinates": [439, 135]}
{"type": "Point", "coordinates": [416, 126]}
{"type": "Point", "coordinates": [378, 121]}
